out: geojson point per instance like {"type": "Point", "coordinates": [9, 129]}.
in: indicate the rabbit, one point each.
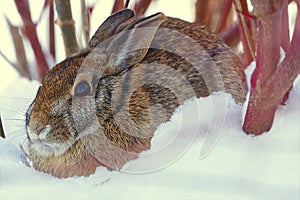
{"type": "Point", "coordinates": [101, 106]}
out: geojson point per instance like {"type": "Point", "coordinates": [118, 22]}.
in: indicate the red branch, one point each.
{"type": "Point", "coordinates": [269, 83]}
{"type": "Point", "coordinates": [244, 28]}
{"type": "Point", "coordinates": [202, 12]}
{"type": "Point", "coordinates": [31, 34]}
{"type": "Point", "coordinates": [118, 5]}
{"type": "Point", "coordinates": [51, 30]}
{"type": "Point", "coordinates": [221, 25]}
{"type": "Point", "coordinates": [141, 6]}
{"type": "Point", "coordinates": [285, 41]}
{"type": "Point", "coordinates": [231, 35]}
{"type": "Point", "coordinates": [289, 69]}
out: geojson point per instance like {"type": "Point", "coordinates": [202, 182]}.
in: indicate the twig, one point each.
{"type": "Point", "coordinates": [249, 49]}
{"type": "Point", "coordinates": [285, 41]}
{"type": "Point", "coordinates": [51, 30]}
{"type": "Point", "coordinates": [22, 66]}
{"type": "Point", "coordinates": [66, 23]}
{"type": "Point", "coordinates": [202, 7]}
{"type": "Point", "coordinates": [141, 6]}
{"type": "Point", "coordinates": [7, 60]}
{"type": "Point", "coordinates": [127, 3]}
{"type": "Point", "coordinates": [270, 83]}
{"type": "Point", "coordinates": [231, 36]}
{"type": "Point", "coordinates": [118, 5]}
{"type": "Point", "coordinates": [223, 17]}
{"type": "Point", "coordinates": [289, 69]}
{"type": "Point", "coordinates": [31, 34]}
{"type": "Point", "coordinates": [1, 129]}
{"type": "Point", "coordinates": [85, 26]}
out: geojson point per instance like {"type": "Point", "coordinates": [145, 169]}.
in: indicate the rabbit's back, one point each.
{"type": "Point", "coordinates": [185, 60]}
{"type": "Point", "coordinates": [188, 56]}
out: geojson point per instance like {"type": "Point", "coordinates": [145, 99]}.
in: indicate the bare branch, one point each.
{"type": "Point", "coordinates": [248, 44]}
{"type": "Point", "coordinates": [270, 83]}
{"type": "Point", "coordinates": [22, 66]}
{"type": "Point", "coordinates": [141, 6]}
{"type": "Point", "coordinates": [285, 40]}
{"type": "Point", "coordinates": [7, 60]}
{"type": "Point", "coordinates": [289, 69]}
{"type": "Point", "coordinates": [1, 129]}
{"type": "Point", "coordinates": [85, 25]}
{"type": "Point", "coordinates": [31, 34]}
{"type": "Point", "coordinates": [66, 24]}
{"type": "Point", "coordinates": [118, 5]}
{"type": "Point", "coordinates": [231, 36]}
{"type": "Point", "coordinates": [223, 17]}
{"type": "Point", "coordinates": [127, 3]}
{"type": "Point", "coordinates": [51, 30]}
{"type": "Point", "coordinates": [202, 10]}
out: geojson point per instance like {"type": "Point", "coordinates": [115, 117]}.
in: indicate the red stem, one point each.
{"type": "Point", "coordinates": [285, 39]}
{"type": "Point", "coordinates": [141, 6]}
{"type": "Point", "coordinates": [31, 34]}
{"type": "Point", "coordinates": [246, 40]}
{"type": "Point", "coordinates": [289, 69]}
{"type": "Point", "coordinates": [270, 83]}
{"type": "Point", "coordinates": [202, 13]}
{"type": "Point", "coordinates": [224, 15]}
{"type": "Point", "coordinates": [118, 5]}
{"type": "Point", "coordinates": [51, 30]}
{"type": "Point", "coordinates": [231, 36]}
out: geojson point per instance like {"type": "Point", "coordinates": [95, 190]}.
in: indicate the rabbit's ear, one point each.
{"type": "Point", "coordinates": [131, 45]}
{"type": "Point", "coordinates": [109, 26]}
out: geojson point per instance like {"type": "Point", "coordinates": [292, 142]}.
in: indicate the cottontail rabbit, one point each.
{"type": "Point", "coordinates": [102, 106]}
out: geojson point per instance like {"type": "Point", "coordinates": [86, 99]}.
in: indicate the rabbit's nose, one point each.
{"type": "Point", "coordinates": [39, 133]}
{"type": "Point", "coordinates": [42, 132]}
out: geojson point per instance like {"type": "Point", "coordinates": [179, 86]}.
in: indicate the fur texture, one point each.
{"type": "Point", "coordinates": [131, 91]}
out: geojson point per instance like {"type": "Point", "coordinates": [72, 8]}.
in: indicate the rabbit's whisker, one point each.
{"type": "Point", "coordinates": [21, 98]}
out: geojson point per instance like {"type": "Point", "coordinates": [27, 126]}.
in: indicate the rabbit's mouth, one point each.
{"type": "Point", "coordinates": [42, 146]}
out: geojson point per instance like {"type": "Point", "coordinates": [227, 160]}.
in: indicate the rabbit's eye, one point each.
{"type": "Point", "coordinates": [83, 88]}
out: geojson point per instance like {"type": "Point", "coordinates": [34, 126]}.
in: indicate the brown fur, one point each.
{"type": "Point", "coordinates": [130, 102]}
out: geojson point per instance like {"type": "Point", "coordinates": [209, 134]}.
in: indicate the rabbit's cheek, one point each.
{"type": "Point", "coordinates": [52, 139]}
{"type": "Point", "coordinates": [39, 142]}
{"type": "Point", "coordinates": [52, 143]}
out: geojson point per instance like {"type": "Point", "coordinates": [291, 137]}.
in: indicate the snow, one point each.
{"type": "Point", "coordinates": [238, 166]}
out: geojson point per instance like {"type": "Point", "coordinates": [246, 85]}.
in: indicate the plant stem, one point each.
{"type": "Point", "coordinates": [1, 129]}
{"type": "Point", "coordinates": [31, 34]}
{"type": "Point", "coordinates": [22, 66]}
{"type": "Point", "coordinates": [51, 30]}
{"type": "Point", "coordinates": [85, 25]}
{"type": "Point", "coordinates": [66, 24]}
{"type": "Point", "coordinates": [231, 36]}
{"type": "Point", "coordinates": [141, 6]}
{"type": "Point", "coordinates": [118, 5]}
{"type": "Point", "coordinates": [223, 18]}
{"type": "Point", "coordinates": [249, 50]}
{"type": "Point", "coordinates": [269, 83]}
{"type": "Point", "coordinates": [285, 41]}
{"type": "Point", "coordinates": [127, 3]}
{"type": "Point", "coordinates": [202, 13]}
